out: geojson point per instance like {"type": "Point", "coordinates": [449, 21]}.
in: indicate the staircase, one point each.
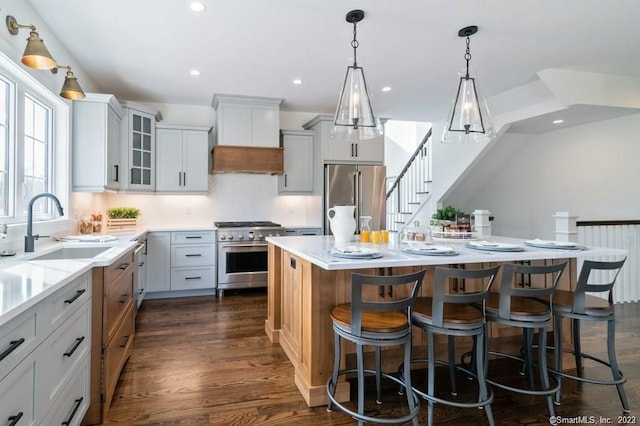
{"type": "Point", "coordinates": [408, 192]}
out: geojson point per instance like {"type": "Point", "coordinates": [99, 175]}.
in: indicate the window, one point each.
{"type": "Point", "coordinates": [34, 145]}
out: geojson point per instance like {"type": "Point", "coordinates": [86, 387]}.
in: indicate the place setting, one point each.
{"type": "Point", "coordinates": [494, 246]}
{"type": "Point", "coordinates": [426, 249]}
{"type": "Point", "coordinates": [553, 244]}
{"type": "Point", "coordinates": [355, 252]}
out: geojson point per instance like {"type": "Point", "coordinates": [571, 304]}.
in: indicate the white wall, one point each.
{"type": "Point", "coordinates": [591, 171]}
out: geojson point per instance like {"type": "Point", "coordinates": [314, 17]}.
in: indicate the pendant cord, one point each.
{"type": "Point", "coordinates": [354, 44]}
{"type": "Point", "coordinates": [467, 57]}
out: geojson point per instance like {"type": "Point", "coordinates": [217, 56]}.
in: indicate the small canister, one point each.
{"type": "Point", "coordinates": [86, 225]}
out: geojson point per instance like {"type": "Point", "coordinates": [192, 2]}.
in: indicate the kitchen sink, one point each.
{"type": "Point", "coordinates": [72, 253]}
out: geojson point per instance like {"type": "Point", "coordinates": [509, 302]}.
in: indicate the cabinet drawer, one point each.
{"type": "Point", "coordinates": [71, 406]}
{"type": "Point", "coordinates": [118, 298]}
{"type": "Point", "coordinates": [192, 255]}
{"type": "Point", "coordinates": [116, 354]}
{"type": "Point", "coordinates": [121, 266]}
{"type": "Point", "coordinates": [195, 237]}
{"type": "Point", "coordinates": [63, 351]}
{"type": "Point", "coordinates": [16, 394]}
{"type": "Point", "coordinates": [66, 301]}
{"type": "Point", "coordinates": [192, 278]}
{"type": "Point", "coordinates": [17, 338]}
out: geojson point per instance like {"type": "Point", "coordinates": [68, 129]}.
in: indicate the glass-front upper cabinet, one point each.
{"type": "Point", "coordinates": [139, 132]}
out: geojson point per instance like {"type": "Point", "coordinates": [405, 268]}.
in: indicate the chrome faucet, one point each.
{"type": "Point", "coordinates": [29, 239]}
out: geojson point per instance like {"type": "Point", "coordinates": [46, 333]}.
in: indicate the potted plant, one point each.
{"type": "Point", "coordinates": [443, 218]}
{"type": "Point", "coordinates": [122, 218]}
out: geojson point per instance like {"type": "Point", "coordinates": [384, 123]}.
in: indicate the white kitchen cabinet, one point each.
{"type": "Point", "coordinates": [298, 162]}
{"type": "Point", "coordinates": [96, 137]}
{"type": "Point", "coordinates": [370, 151]}
{"type": "Point", "coordinates": [247, 121]}
{"type": "Point", "coordinates": [158, 261]}
{"type": "Point", "coordinates": [39, 378]}
{"type": "Point", "coordinates": [181, 158]}
{"type": "Point", "coordinates": [193, 260]}
{"type": "Point", "coordinates": [138, 147]}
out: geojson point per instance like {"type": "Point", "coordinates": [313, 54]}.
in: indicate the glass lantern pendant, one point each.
{"type": "Point", "coordinates": [354, 119]}
{"type": "Point", "coordinates": [468, 120]}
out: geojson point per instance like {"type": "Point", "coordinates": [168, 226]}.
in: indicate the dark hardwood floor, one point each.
{"type": "Point", "coordinates": [207, 361]}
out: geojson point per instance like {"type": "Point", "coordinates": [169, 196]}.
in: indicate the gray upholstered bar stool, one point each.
{"type": "Point", "coordinates": [367, 321]}
{"type": "Point", "coordinates": [595, 277]}
{"type": "Point", "coordinates": [454, 314]}
{"type": "Point", "coordinates": [528, 308]}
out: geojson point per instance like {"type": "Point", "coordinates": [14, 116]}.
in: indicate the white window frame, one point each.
{"type": "Point", "coordinates": [59, 155]}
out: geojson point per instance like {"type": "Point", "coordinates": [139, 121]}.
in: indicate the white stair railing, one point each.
{"type": "Point", "coordinates": [408, 192]}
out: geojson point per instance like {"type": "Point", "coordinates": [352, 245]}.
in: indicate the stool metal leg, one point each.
{"type": "Point", "coordinates": [452, 365]}
{"type": "Point", "coordinates": [360, 362]}
{"type": "Point", "coordinates": [577, 350]}
{"type": "Point", "coordinates": [378, 377]}
{"type": "Point", "coordinates": [542, 365]}
{"type": "Point", "coordinates": [528, 343]}
{"type": "Point", "coordinates": [615, 371]}
{"type": "Point", "coordinates": [336, 369]}
{"type": "Point", "coordinates": [557, 335]}
{"type": "Point", "coordinates": [407, 381]}
{"type": "Point", "coordinates": [431, 371]}
{"type": "Point", "coordinates": [482, 376]}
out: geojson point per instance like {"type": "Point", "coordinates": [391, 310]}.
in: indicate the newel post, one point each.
{"type": "Point", "coordinates": [566, 227]}
{"type": "Point", "coordinates": [482, 223]}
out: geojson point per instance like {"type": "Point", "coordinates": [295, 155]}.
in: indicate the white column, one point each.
{"type": "Point", "coordinates": [482, 225]}
{"type": "Point", "coordinates": [566, 228]}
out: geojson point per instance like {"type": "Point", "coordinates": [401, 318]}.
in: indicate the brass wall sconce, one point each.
{"type": "Point", "coordinates": [70, 88]}
{"type": "Point", "coordinates": [35, 54]}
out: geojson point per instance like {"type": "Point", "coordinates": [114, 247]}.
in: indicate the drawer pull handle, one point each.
{"type": "Point", "coordinates": [124, 266]}
{"type": "Point", "coordinates": [194, 237]}
{"type": "Point", "coordinates": [79, 340]}
{"type": "Point", "coordinates": [141, 264]}
{"type": "Point", "coordinates": [76, 296]}
{"type": "Point", "coordinates": [192, 278]}
{"type": "Point", "coordinates": [13, 345]}
{"type": "Point", "coordinates": [124, 298]}
{"type": "Point", "coordinates": [141, 291]}
{"type": "Point", "coordinates": [126, 340]}
{"type": "Point", "coordinates": [76, 405]}
{"type": "Point", "coordinates": [193, 255]}
{"type": "Point", "coordinates": [13, 420]}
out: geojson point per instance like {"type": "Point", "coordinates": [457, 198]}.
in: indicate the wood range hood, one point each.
{"type": "Point", "coordinates": [247, 159]}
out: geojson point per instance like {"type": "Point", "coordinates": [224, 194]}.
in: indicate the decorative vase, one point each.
{"type": "Point", "coordinates": [342, 223]}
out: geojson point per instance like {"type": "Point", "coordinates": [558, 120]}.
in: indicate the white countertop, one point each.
{"type": "Point", "coordinates": [315, 249]}
{"type": "Point", "coordinates": [25, 282]}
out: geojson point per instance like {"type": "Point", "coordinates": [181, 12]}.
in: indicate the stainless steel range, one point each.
{"type": "Point", "coordinates": [242, 253]}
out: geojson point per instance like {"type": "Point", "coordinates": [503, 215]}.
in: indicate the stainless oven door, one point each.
{"type": "Point", "coordinates": [242, 265]}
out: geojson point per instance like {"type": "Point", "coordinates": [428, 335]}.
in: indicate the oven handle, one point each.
{"type": "Point", "coordinates": [243, 245]}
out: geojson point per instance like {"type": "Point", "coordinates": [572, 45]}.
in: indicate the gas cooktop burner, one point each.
{"type": "Point", "coordinates": [247, 224]}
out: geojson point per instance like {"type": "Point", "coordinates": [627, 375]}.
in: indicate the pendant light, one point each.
{"type": "Point", "coordinates": [468, 119]}
{"type": "Point", "coordinates": [36, 55]}
{"type": "Point", "coordinates": [354, 118]}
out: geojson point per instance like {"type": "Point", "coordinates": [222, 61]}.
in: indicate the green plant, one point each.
{"type": "Point", "coordinates": [123, 213]}
{"type": "Point", "coordinates": [447, 213]}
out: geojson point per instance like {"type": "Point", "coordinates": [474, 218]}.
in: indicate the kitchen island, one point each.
{"type": "Point", "coordinates": [305, 282]}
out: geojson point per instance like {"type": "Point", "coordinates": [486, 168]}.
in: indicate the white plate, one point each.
{"type": "Point", "coordinates": [429, 250]}
{"type": "Point", "coordinates": [376, 255]}
{"type": "Point", "coordinates": [492, 246]}
{"type": "Point", "coordinates": [353, 251]}
{"type": "Point", "coordinates": [563, 245]}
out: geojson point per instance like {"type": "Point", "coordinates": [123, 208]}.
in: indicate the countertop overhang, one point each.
{"type": "Point", "coordinates": [315, 249]}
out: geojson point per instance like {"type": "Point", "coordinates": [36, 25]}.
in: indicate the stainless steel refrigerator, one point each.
{"type": "Point", "coordinates": [356, 185]}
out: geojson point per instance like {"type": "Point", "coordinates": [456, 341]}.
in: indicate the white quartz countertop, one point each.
{"type": "Point", "coordinates": [25, 281]}
{"type": "Point", "coordinates": [316, 249]}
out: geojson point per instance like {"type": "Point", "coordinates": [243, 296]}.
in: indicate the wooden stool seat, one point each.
{"type": "Point", "coordinates": [563, 302]}
{"type": "Point", "coordinates": [452, 313]}
{"type": "Point", "coordinates": [520, 306]}
{"type": "Point", "coordinates": [372, 322]}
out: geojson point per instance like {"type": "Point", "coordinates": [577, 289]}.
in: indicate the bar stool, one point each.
{"type": "Point", "coordinates": [528, 308]}
{"type": "Point", "coordinates": [455, 314]}
{"type": "Point", "coordinates": [595, 277]}
{"type": "Point", "coordinates": [366, 321]}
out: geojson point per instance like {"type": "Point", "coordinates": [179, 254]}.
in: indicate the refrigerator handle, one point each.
{"type": "Point", "coordinates": [356, 198]}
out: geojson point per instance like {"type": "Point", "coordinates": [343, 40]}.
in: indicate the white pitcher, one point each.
{"type": "Point", "coordinates": [342, 223]}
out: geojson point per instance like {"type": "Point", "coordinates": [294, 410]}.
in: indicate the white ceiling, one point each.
{"type": "Point", "coordinates": [143, 50]}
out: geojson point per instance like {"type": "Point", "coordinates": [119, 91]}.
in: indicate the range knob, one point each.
{"type": "Point", "coordinates": [251, 236]}
{"type": "Point", "coordinates": [223, 237]}
{"type": "Point", "coordinates": [230, 237]}
{"type": "Point", "coordinates": [241, 237]}
{"type": "Point", "coordinates": [260, 237]}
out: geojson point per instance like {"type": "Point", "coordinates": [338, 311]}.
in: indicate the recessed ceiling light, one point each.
{"type": "Point", "coordinates": [386, 89]}
{"type": "Point", "coordinates": [297, 81]}
{"type": "Point", "coordinates": [194, 73]}
{"type": "Point", "coordinates": [197, 6]}
{"type": "Point", "coordinates": [560, 121]}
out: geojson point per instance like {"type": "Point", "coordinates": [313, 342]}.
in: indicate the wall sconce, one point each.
{"type": "Point", "coordinates": [35, 54]}
{"type": "Point", "coordinates": [469, 118]}
{"type": "Point", "coordinates": [354, 118]}
{"type": "Point", "coordinates": [70, 88]}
